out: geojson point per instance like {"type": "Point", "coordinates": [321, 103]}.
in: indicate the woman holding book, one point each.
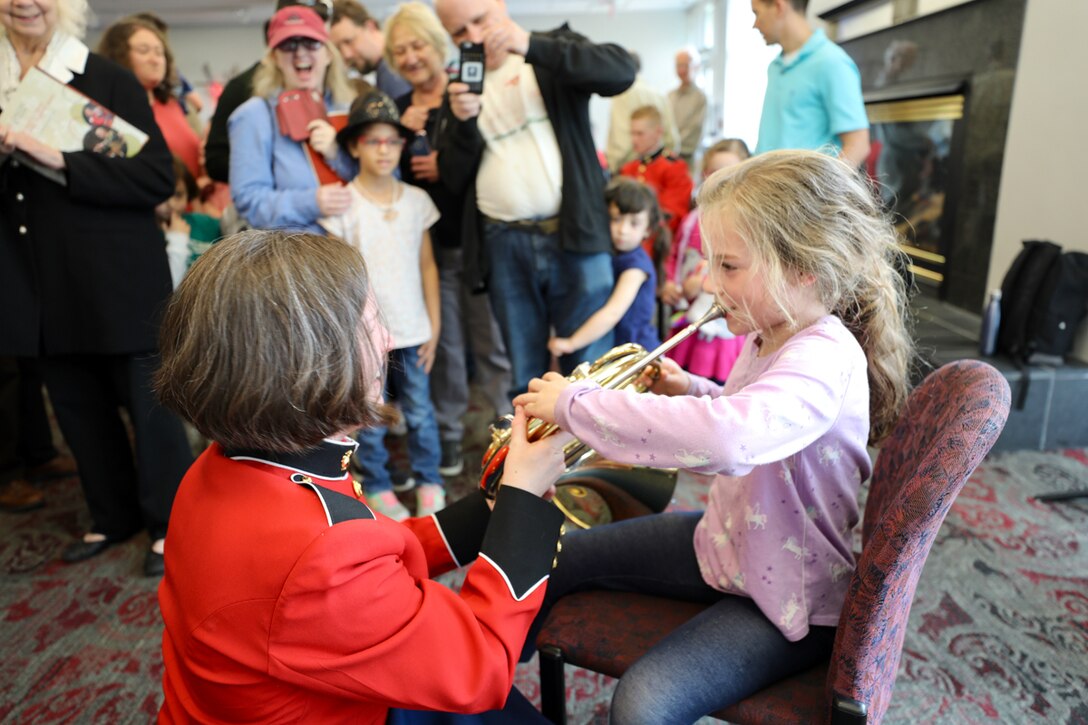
{"type": "Point", "coordinates": [278, 182]}
{"type": "Point", "coordinates": [83, 272]}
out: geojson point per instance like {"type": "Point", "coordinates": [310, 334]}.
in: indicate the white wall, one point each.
{"type": "Point", "coordinates": [1043, 190]}
{"type": "Point", "coordinates": [746, 58]}
{"type": "Point", "coordinates": [655, 36]}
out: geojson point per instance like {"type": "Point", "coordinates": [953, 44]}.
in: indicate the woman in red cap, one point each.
{"type": "Point", "coordinates": [278, 182]}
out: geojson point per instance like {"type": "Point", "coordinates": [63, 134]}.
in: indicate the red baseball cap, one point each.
{"type": "Point", "coordinates": [296, 21]}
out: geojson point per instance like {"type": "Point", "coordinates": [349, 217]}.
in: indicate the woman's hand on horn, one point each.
{"type": "Point", "coordinates": [543, 395]}
{"type": "Point", "coordinates": [533, 467]}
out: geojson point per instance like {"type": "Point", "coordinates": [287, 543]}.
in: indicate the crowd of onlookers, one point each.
{"type": "Point", "coordinates": [500, 242]}
{"type": "Point", "coordinates": [362, 223]}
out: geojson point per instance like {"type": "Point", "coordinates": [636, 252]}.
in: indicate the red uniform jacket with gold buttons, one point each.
{"type": "Point", "coordinates": [668, 176]}
{"type": "Point", "coordinates": [285, 599]}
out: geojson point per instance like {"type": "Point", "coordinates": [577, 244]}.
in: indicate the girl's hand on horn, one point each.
{"type": "Point", "coordinates": [670, 380]}
{"type": "Point", "coordinates": [543, 394]}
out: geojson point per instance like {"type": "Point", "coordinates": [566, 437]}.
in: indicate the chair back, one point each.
{"type": "Point", "coordinates": [950, 422]}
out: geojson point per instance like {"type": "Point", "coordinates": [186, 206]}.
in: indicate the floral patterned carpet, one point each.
{"type": "Point", "coordinates": [999, 628]}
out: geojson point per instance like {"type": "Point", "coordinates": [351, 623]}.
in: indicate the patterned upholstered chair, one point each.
{"type": "Point", "coordinates": [950, 422]}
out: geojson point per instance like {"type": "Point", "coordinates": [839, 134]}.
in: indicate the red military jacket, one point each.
{"type": "Point", "coordinates": [286, 599]}
{"type": "Point", "coordinates": [668, 176]}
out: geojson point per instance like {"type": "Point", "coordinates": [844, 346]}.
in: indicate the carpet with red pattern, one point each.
{"type": "Point", "coordinates": [999, 628]}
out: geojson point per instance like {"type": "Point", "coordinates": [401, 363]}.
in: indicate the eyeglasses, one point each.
{"type": "Point", "coordinates": [291, 45]}
{"type": "Point", "coordinates": [376, 143]}
{"type": "Point", "coordinates": [143, 49]}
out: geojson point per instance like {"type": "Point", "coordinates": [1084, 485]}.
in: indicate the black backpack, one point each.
{"type": "Point", "coordinates": [1044, 296]}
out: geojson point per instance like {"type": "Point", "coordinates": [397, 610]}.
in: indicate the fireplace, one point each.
{"type": "Point", "coordinates": [938, 89]}
{"type": "Point", "coordinates": [914, 159]}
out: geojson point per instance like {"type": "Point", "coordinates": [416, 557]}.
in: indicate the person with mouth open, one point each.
{"type": "Point", "coordinates": [274, 182]}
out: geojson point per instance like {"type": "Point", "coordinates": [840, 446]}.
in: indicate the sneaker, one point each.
{"type": "Point", "coordinates": [402, 481]}
{"type": "Point", "coordinates": [430, 498]}
{"type": "Point", "coordinates": [387, 503]}
{"type": "Point", "coordinates": [452, 462]}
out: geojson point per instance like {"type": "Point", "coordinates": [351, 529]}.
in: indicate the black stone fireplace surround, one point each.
{"type": "Point", "coordinates": [971, 49]}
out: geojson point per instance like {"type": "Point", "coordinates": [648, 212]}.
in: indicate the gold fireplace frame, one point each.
{"type": "Point", "coordinates": [947, 107]}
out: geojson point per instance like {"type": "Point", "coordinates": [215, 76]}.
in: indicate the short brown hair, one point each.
{"type": "Point", "coordinates": [265, 344]}
{"type": "Point", "coordinates": [114, 45]}
{"type": "Point", "coordinates": [353, 10]}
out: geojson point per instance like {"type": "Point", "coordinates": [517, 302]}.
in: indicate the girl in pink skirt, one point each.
{"type": "Point", "coordinates": [712, 351]}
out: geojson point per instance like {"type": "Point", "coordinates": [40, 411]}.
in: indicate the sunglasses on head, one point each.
{"type": "Point", "coordinates": [292, 44]}
{"type": "Point", "coordinates": [322, 7]}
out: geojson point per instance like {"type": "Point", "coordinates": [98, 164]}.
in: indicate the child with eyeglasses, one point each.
{"type": "Point", "coordinates": [389, 222]}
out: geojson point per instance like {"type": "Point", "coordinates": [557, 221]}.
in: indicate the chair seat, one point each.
{"type": "Point", "coordinates": [606, 632]}
{"type": "Point", "coordinates": [791, 701]}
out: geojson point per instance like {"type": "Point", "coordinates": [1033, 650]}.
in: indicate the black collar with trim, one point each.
{"type": "Point", "coordinates": [652, 157]}
{"type": "Point", "coordinates": [329, 459]}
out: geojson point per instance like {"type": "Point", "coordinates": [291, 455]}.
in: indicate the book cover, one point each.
{"type": "Point", "coordinates": [62, 117]}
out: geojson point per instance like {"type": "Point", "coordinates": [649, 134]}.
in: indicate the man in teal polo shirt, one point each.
{"type": "Point", "coordinates": [813, 98]}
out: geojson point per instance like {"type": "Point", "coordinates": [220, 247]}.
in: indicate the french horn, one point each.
{"type": "Point", "coordinates": [617, 369]}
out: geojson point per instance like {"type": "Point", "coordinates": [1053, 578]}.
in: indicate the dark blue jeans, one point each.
{"type": "Point", "coordinates": [414, 394]}
{"type": "Point", "coordinates": [536, 286]}
{"type": "Point", "coordinates": [722, 655]}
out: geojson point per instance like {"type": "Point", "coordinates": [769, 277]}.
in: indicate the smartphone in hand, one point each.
{"type": "Point", "coordinates": [419, 145]}
{"type": "Point", "coordinates": [472, 67]}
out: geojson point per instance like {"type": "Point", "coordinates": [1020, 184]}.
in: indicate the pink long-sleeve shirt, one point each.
{"type": "Point", "coordinates": [786, 437]}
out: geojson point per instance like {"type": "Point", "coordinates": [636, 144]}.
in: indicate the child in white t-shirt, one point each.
{"type": "Point", "coordinates": [388, 221]}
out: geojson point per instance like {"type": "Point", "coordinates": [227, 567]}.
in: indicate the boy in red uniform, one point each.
{"type": "Point", "coordinates": [664, 172]}
{"type": "Point", "coordinates": [285, 597]}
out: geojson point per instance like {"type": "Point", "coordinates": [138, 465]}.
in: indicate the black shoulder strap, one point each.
{"type": "Point", "coordinates": [338, 507]}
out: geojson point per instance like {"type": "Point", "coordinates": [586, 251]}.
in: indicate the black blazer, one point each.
{"type": "Point", "coordinates": [83, 267]}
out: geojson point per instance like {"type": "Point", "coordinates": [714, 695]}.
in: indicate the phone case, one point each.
{"type": "Point", "coordinates": [471, 70]}
{"type": "Point", "coordinates": [295, 110]}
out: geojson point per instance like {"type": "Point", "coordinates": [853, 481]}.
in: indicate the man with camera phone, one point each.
{"type": "Point", "coordinates": [535, 230]}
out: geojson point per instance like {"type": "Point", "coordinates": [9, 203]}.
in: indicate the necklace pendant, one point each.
{"type": "Point", "coordinates": [390, 215]}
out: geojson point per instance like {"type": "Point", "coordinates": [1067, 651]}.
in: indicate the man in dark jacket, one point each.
{"type": "Point", "coordinates": [536, 228]}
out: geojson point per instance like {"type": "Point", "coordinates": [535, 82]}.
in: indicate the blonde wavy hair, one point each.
{"type": "Point", "coordinates": [268, 79]}
{"type": "Point", "coordinates": [420, 20]}
{"type": "Point", "coordinates": [804, 212]}
{"type": "Point", "coordinates": [72, 18]}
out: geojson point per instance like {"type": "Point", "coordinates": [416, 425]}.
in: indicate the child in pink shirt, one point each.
{"type": "Point", "coordinates": [712, 351]}
{"type": "Point", "coordinates": [801, 259]}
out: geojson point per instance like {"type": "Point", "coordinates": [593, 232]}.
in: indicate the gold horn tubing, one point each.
{"type": "Point", "coordinates": [611, 371]}
{"type": "Point", "coordinates": [711, 314]}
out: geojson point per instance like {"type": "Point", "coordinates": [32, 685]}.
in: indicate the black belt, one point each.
{"type": "Point", "coordinates": [538, 226]}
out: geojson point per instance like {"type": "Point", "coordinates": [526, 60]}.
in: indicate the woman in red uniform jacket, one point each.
{"type": "Point", "coordinates": [285, 598]}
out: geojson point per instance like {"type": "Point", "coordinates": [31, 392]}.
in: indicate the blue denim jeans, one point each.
{"type": "Point", "coordinates": [722, 655]}
{"type": "Point", "coordinates": [536, 286]}
{"type": "Point", "coordinates": [414, 394]}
